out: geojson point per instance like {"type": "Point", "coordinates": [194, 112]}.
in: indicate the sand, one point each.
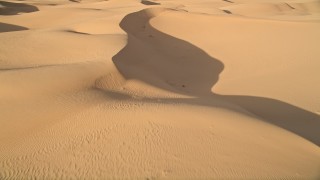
{"type": "Point", "coordinates": [166, 89]}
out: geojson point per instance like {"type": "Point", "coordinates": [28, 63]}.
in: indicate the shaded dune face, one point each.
{"type": "Point", "coordinates": [289, 117]}
{"type": "Point", "coordinates": [145, 2]}
{"type": "Point", "coordinates": [159, 59]}
{"type": "Point", "coordinates": [4, 27]}
{"type": "Point", "coordinates": [9, 8]}
{"type": "Point", "coordinates": [175, 65]}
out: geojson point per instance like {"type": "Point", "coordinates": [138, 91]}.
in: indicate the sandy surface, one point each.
{"type": "Point", "coordinates": [159, 89]}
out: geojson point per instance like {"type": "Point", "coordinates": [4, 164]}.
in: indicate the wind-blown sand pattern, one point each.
{"type": "Point", "coordinates": [130, 89]}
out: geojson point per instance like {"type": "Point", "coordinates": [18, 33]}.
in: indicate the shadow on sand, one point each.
{"type": "Point", "coordinates": [148, 3]}
{"type": "Point", "coordinates": [4, 27]}
{"type": "Point", "coordinates": [178, 66]}
{"type": "Point", "coordinates": [10, 8]}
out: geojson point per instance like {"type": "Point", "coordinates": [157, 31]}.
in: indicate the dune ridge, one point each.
{"type": "Point", "coordinates": [181, 64]}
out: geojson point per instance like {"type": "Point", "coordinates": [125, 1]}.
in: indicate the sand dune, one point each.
{"type": "Point", "coordinates": [132, 89]}
{"type": "Point", "coordinates": [178, 73]}
{"type": "Point", "coordinates": [285, 11]}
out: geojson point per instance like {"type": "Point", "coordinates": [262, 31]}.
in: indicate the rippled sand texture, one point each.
{"type": "Point", "coordinates": [129, 89]}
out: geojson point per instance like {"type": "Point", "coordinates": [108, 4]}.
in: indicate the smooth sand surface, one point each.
{"type": "Point", "coordinates": [128, 89]}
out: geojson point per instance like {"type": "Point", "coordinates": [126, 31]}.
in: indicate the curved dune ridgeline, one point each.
{"type": "Point", "coordinates": [176, 65]}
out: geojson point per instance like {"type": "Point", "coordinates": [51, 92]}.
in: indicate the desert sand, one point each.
{"type": "Point", "coordinates": [166, 89]}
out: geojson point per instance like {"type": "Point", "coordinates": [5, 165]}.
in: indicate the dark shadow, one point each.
{"type": "Point", "coordinates": [289, 117]}
{"type": "Point", "coordinates": [77, 32]}
{"type": "Point", "coordinates": [291, 7]}
{"type": "Point", "coordinates": [75, 1]}
{"type": "Point", "coordinates": [157, 58]}
{"type": "Point", "coordinates": [4, 27]}
{"type": "Point", "coordinates": [227, 11]}
{"type": "Point", "coordinates": [52, 4]}
{"type": "Point", "coordinates": [228, 1]}
{"type": "Point", "coordinates": [145, 2]}
{"type": "Point", "coordinates": [10, 8]}
{"type": "Point", "coordinates": [178, 66]}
